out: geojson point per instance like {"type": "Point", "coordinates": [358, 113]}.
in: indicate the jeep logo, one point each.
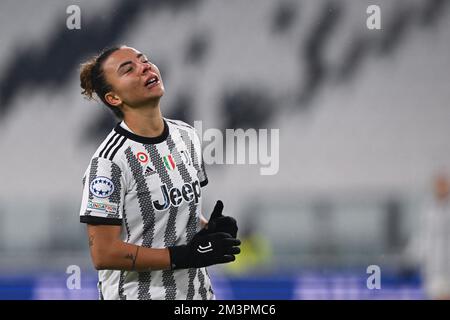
{"type": "Point", "coordinates": [174, 196]}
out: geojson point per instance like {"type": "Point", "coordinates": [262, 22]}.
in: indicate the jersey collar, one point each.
{"type": "Point", "coordinates": [146, 140]}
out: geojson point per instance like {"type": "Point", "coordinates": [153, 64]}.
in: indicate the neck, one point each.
{"type": "Point", "coordinates": [145, 121]}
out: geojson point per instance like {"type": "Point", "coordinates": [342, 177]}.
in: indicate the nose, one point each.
{"type": "Point", "coordinates": [146, 67]}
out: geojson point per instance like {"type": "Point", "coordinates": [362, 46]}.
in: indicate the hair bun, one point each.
{"type": "Point", "coordinates": [86, 78]}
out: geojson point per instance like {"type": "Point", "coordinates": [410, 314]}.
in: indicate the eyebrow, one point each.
{"type": "Point", "coordinates": [128, 62]}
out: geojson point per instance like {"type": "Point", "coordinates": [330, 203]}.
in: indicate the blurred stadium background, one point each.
{"type": "Point", "coordinates": [363, 118]}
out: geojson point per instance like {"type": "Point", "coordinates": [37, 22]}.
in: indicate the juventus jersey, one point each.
{"type": "Point", "coordinates": [152, 188]}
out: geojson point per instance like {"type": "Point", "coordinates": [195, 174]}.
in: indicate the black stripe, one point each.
{"type": "Point", "coordinates": [100, 293]}
{"type": "Point", "coordinates": [92, 175]}
{"type": "Point", "coordinates": [111, 146]}
{"type": "Point", "coordinates": [148, 218]}
{"type": "Point", "coordinates": [115, 198]}
{"type": "Point", "coordinates": [170, 234]}
{"type": "Point", "coordinates": [101, 220]}
{"type": "Point", "coordinates": [122, 296]}
{"type": "Point", "coordinates": [195, 157]}
{"type": "Point", "coordinates": [106, 145]}
{"type": "Point", "coordinates": [191, 227]}
{"type": "Point", "coordinates": [210, 289]}
{"type": "Point", "coordinates": [123, 274]}
{"type": "Point", "coordinates": [204, 182]}
{"type": "Point", "coordinates": [202, 288]}
{"type": "Point", "coordinates": [117, 149]}
{"type": "Point", "coordinates": [180, 124]}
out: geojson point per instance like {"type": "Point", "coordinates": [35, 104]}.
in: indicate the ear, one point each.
{"type": "Point", "coordinates": [113, 99]}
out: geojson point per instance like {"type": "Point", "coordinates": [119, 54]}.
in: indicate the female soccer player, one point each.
{"type": "Point", "coordinates": [142, 191]}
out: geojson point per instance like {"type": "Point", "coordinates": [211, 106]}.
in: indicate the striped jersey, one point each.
{"type": "Point", "coordinates": [151, 187]}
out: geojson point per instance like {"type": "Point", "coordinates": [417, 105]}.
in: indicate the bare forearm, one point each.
{"type": "Point", "coordinates": [203, 221]}
{"type": "Point", "coordinates": [124, 256]}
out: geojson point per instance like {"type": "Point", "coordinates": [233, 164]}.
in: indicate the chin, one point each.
{"type": "Point", "coordinates": [152, 98]}
{"type": "Point", "coordinates": [157, 95]}
{"type": "Point", "coordinates": [157, 91]}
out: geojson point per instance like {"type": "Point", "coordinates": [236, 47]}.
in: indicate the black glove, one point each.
{"type": "Point", "coordinates": [219, 223]}
{"type": "Point", "coordinates": [204, 250]}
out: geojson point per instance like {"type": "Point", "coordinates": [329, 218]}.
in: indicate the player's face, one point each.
{"type": "Point", "coordinates": [134, 79]}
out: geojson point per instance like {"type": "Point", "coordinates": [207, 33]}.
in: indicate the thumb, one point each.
{"type": "Point", "coordinates": [217, 211]}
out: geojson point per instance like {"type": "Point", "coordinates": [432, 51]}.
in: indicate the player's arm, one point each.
{"type": "Point", "coordinates": [203, 221]}
{"type": "Point", "coordinates": [108, 251]}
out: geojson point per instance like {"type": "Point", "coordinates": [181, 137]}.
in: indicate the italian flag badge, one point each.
{"type": "Point", "coordinates": [169, 162]}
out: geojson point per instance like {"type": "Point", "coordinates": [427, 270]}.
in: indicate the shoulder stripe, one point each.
{"type": "Point", "coordinates": [117, 149]}
{"type": "Point", "coordinates": [106, 145]}
{"type": "Point", "coordinates": [112, 146]}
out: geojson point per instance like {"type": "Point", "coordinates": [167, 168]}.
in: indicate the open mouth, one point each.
{"type": "Point", "coordinates": [152, 82]}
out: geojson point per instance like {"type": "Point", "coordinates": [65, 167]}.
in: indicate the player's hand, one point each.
{"type": "Point", "coordinates": [205, 249]}
{"type": "Point", "coordinates": [220, 223]}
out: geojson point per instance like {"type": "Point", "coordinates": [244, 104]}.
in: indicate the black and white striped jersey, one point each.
{"type": "Point", "coordinates": [152, 188]}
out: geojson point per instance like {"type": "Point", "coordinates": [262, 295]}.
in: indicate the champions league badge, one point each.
{"type": "Point", "coordinates": [101, 187]}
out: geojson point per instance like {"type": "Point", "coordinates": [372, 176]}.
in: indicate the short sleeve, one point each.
{"type": "Point", "coordinates": [103, 193]}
